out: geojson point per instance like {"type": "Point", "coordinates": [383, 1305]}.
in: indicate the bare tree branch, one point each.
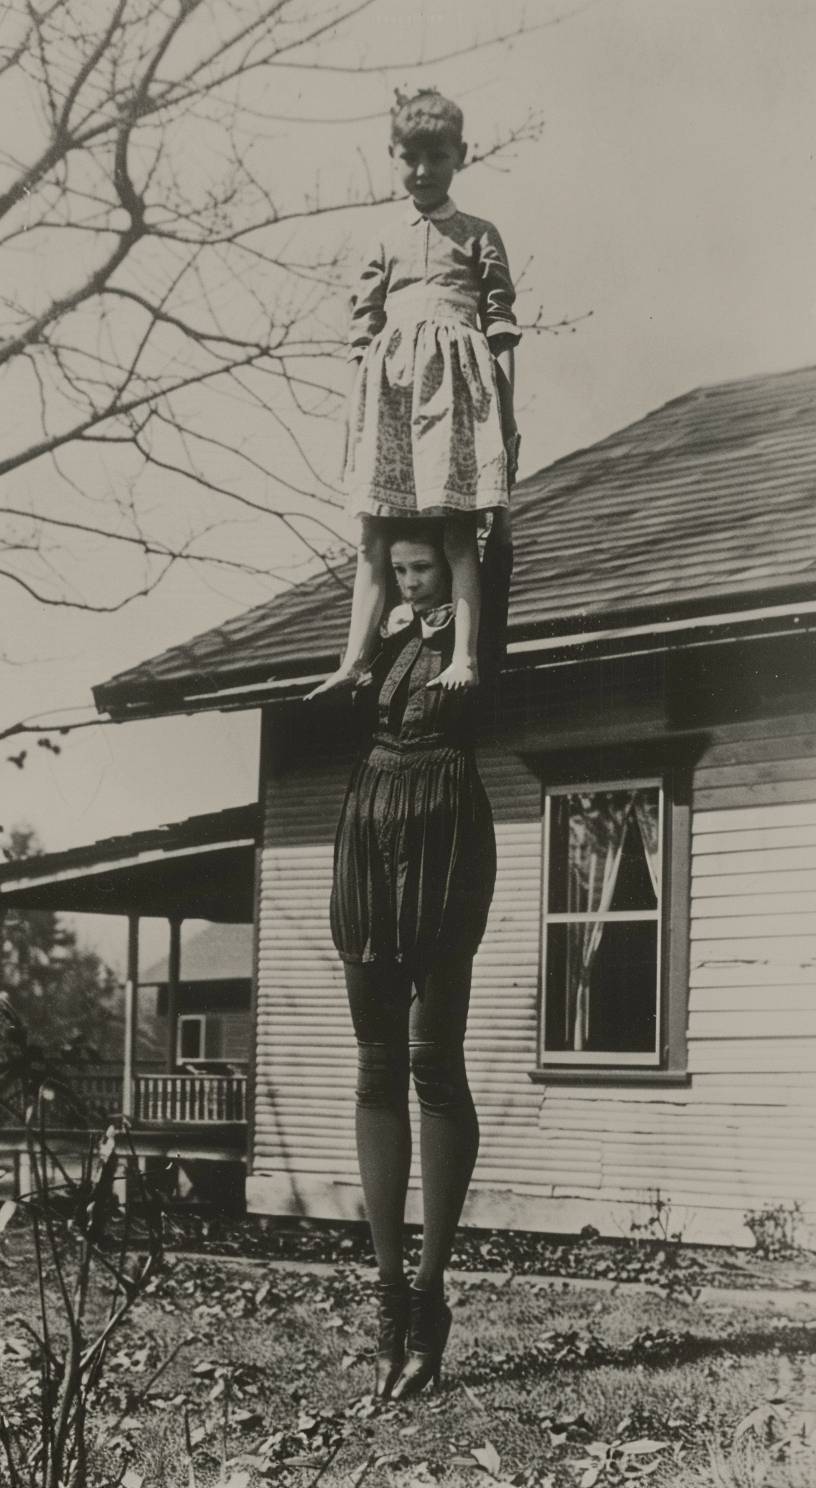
{"type": "Point", "coordinates": [160, 550]}
{"type": "Point", "coordinates": [172, 289]}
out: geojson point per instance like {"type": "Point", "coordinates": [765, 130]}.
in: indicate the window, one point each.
{"type": "Point", "coordinates": [604, 893]}
{"type": "Point", "coordinates": [199, 1037]}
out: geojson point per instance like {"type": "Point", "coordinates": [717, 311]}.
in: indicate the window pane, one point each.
{"type": "Point", "coordinates": [601, 989]}
{"type": "Point", "coordinates": [189, 1038]}
{"type": "Point", "coordinates": [604, 850]}
{"type": "Point", "coordinates": [213, 1043]}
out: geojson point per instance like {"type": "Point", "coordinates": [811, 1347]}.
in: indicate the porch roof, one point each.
{"type": "Point", "coordinates": [705, 507]}
{"type": "Point", "coordinates": [201, 868]}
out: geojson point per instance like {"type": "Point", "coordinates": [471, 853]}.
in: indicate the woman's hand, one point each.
{"type": "Point", "coordinates": [345, 678]}
{"type": "Point", "coordinates": [462, 673]}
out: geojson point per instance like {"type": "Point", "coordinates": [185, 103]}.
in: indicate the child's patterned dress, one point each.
{"type": "Point", "coordinates": [433, 306]}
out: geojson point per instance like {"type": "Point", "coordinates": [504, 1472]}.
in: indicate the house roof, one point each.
{"type": "Point", "coordinates": [214, 953]}
{"type": "Point", "coordinates": [700, 506]}
{"type": "Point", "coordinates": [201, 868]}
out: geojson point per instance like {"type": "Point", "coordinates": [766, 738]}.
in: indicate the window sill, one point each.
{"type": "Point", "coordinates": [586, 1075]}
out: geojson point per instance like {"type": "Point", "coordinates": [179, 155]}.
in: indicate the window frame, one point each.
{"type": "Point", "coordinates": [576, 1057]}
{"type": "Point", "coordinates": [204, 1021]}
{"type": "Point", "coordinates": [669, 1064]}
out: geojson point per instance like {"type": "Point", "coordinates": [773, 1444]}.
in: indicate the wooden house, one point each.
{"type": "Point", "coordinates": [644, 1013]}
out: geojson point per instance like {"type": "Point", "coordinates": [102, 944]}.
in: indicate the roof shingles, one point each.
{"type": "Point", "coordinates": [709, 498]}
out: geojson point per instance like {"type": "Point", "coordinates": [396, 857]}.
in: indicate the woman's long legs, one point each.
{"type": "Point", "coordinates": [449, 1130]}
{"type": "Point", "coordinates": [379, 999]}
{"type": "Point", "coordinates": [449, 1139]}
{"type": "Point", "coordinates": [392, 1029]}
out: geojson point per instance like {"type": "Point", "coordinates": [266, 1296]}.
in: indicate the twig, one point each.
{"type": "Point", "coordinates": [326, 1464]}
{"type": "Point", "coordinates": [192, 1481]}
{"type": "Point", "coordinates": [140, 1397]}
{"type": "Point", "coordinates": [225, 1421]}
{"type": "Point", "coordinates": [32, 1332]}
{"type": "Point", "coordinates": [7, 1443]}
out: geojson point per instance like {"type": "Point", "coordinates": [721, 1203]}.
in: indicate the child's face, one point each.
{"type": "Point", "coordinates": [422, 574]}
{"type": "Point", "coordinates": [427, 163]}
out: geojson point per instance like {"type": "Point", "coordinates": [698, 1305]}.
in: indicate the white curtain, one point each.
{"type": "Point", "coordinates": [603, 862]}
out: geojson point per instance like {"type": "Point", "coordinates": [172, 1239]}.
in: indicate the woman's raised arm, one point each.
{"type": "Point", "coordinates": [496, 572]}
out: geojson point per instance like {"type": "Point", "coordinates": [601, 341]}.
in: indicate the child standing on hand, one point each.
{"type": "Point", "coordinates": [431, 428]}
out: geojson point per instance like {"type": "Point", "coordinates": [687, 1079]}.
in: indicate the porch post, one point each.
{"type": "Point", "coordinates": [173, 974]}
{"type": "Point", "coordinates": [131, 1016]}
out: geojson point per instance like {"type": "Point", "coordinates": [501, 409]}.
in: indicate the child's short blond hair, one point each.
{"type": "Point", "coordinates": [427, 112]}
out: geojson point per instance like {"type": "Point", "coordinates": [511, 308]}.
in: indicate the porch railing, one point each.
{"type": "Point", "coordinates": [99, 1092]}
{"type": "Point", "coordinates": [190, 1098]}
{"type": "Point", "coordinates": [84, 1098]}
{"type": "Point", "coordinates": [172, 1099]}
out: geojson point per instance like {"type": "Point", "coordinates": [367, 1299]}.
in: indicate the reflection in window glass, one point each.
{"type": "Point", "coordinates": [213, 1042]}
{"type": "Point", "coordinates": [604, 850]}
{"type": "Point", "coordinates": [190, 1038]}
{"type": "Point", "coordinates": [603, 1001]}
{"type": "Point", "coordinates": [602, 922]}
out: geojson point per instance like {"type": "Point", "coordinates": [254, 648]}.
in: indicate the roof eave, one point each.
{"type": "Point", "coordinates": [120, 700]}
{"type": "Point", "coordinates": [531, 646]}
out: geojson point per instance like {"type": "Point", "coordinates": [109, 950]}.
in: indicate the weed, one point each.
{"type": "Point", "coordinates": [664, 1263]}
{"type": "Point", "coordinates": [773, 1445]}
{"type": "Point", "coordinates": [775, 1228]}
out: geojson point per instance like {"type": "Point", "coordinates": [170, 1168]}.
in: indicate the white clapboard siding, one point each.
{"type": "Point", "coordinates": [771, 1022]}
{"type": "Point", "coordinates": [801, 902]}
{"type": "Point", "coordinates": [752, 997]}
{"type": "Point", "coordinates": [778, 881]}
{"type": "Point", "coordinates": [726, 1151]}
{"type": "Point", "coordinates": [305, 1057]}
{"type": "Point", "coordinates": [751, 840]}
{"type": "Point", "coordinates": [746, 1000]}
{"type": "Point", "coordinates": [761, 860]}
{"type": "Point", "coordinates": [774, 922]}
{"type": "Point", "coordinates": [761, 1088]}
{"type": "Point", "coordinates": [754, 818]}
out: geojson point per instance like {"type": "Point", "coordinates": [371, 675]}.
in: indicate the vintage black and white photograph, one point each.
{"type": "Point", "coordinates": [407, 743]}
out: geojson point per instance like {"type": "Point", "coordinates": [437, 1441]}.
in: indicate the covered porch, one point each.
{"type": "Point", "coordinates": [199, 869]}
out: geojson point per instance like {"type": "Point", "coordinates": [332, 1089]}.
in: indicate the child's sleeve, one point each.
{"type": "Point", "coordinates": [368, 302]}
{"type": "Point", "coordinates": [497, 293]}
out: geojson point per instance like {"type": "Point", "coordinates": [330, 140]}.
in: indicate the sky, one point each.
{"type": "Point", "coordinates": [672, 194]}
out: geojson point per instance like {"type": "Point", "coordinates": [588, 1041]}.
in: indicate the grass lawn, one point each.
{"type": "Point", "coordinates": [546, 1382]}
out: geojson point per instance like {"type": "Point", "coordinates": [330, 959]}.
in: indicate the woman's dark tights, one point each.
{"type": "Point", "coordinates": [406, 1026]}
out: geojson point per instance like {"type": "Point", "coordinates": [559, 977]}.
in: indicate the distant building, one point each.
{"type": "Point", "coordinates": [213, 1024]}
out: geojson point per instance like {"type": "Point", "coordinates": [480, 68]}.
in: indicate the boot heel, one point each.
{"type": "Point", "coordinates": [393, 1309]}
{"type": "Point", "coordinates": [428, 1330]}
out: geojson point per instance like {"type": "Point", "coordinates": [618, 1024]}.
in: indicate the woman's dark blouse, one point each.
{"type": "Point", "coordinates": [415, 854]}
